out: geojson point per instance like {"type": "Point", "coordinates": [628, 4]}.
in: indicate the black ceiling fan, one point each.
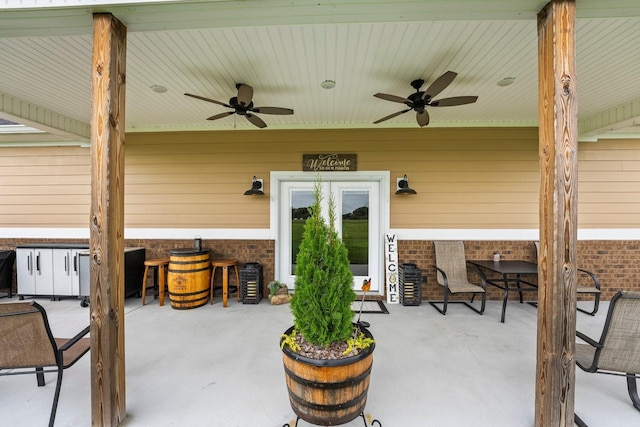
{"type": "Point", "coordinates": [418, 101]}
{"type": "Point", "coordinates": [242, 104]}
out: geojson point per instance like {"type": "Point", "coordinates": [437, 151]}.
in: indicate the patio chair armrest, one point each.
{"type": "Point", "coordinates": [75, 339]}
{"type": "Point", "coordinates": [478, 270]}
{"type": "Point", "coordinates": [444, 276]}
{"type": "Point", "coordinates": [596, 281]}
{"type": "Point", "coordinates": [588, 340]}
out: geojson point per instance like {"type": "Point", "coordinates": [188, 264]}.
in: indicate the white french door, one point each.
{"type": "Point", "coordinates": [360, 221]}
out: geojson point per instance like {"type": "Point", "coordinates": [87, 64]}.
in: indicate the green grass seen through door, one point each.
{"type": "Point", "coordinates": [355, 235]}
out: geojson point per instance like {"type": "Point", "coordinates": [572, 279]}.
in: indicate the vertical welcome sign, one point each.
{"type": "Point", "coordinates": [391, 267]}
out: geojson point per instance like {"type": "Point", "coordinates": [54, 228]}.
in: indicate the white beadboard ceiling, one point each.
{"type": "Point", "coordinates": [285, 49]}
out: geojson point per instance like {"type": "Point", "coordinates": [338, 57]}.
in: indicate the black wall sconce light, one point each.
{"type": "Point", "coordinates": [402, 186]}
{"type": "Point", "coordinates": [256, 188]}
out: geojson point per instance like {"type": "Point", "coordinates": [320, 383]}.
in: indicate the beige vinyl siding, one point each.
{"type": "Point", "coordinates": [475, 179]}
{"type": "Point", "coordinates": [465, 178]}
{"type": "Point", "coordinates": [609, 184]}
{"type": "Point", "coordinates": [44, 186]}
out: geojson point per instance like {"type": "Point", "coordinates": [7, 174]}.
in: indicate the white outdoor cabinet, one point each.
{"type": "Point", "coordinates": [34, 270]}
{"type": "Point", "coordinates": [66, 272]}
{"type": "Point", "coordinates": [48, 269]}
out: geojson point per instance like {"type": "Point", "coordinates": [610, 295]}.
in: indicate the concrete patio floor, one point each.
{"type": "Point", "coordinates": [221, 367]}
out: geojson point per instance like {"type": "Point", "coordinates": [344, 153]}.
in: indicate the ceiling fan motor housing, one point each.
{"type": "Point", "coordinates": [240, 109]}
{"type": "Point", "coordinates": [416, 100]}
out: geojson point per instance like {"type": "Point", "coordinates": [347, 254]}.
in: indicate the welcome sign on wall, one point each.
{"type": "Point", "coordinates": [391, 267]}
{"type": "Point", "coordinates": [331, 162]}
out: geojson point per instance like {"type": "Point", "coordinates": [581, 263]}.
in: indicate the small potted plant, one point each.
{"type": "Point", "coordinates": [327, 357]}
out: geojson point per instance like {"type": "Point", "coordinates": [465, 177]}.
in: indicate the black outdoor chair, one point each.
{"type": "Point", "coordinates": [28, 346]}
{"type": "Point", "coordinates": [588, 284]}
{"type": "Point", "coordinates": [618, 350]}
{"type": "Point", "coordinates": [451, 270]}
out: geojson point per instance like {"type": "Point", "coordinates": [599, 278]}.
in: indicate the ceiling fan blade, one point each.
{"type": "Point", "coordinates": [245, 94]}
{"type": "Point", "coordinates": [439, 85]}
{"type": "Point", "coordinates": [221, 115]}
{"type": "Point", "coordinates": [209, 100]}
{"type": "Point", "coordinates": [456, 100]}
{"type": "Point", "coordinates": [392, 98]}
{"type": "Point", "coordinates": [422, 117]}
{"type": "Point", "coordinates": [390, 116]}
{"type": "Point", "coordinates": [257, 121]}
{"type": "Point", "coordinates": [272, 110]}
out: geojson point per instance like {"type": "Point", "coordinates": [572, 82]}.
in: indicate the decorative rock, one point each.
{"type": "Point", "coordinates": [280, 299]}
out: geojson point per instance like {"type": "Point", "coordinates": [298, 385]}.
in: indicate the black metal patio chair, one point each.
{"type": "Point", "coordinates": [451, 270]}
{"type": "Point", "coordinates": [588, 284]}
{"type": "Point", "coordinates": [618, 350]}
{"type": "Point", "coordinates": [28, 346]}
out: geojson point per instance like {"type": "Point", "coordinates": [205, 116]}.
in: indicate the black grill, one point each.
{"type": "Point", "coordinates": [410, 284]}
{"type": "Point", "coordinates": [251, 283]}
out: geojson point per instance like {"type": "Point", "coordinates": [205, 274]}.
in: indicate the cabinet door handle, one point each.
{"type": "Point", "coordinates": [29, 264]}
{"type": "Point", "coordinates": [38, 263]}
{"type": "Point", "coordinates": [66, 263]}
{"type": "Point", "coordinates": [75, 264]}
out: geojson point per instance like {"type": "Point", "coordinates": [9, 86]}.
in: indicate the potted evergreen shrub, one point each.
{"type": "Point", "coordinates": [327, 357]}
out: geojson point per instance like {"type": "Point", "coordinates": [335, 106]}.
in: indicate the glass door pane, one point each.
{"type": "Point", "coordinates": [354, 213]}
{"type": "Point", "coordinates": [357, 203]}
{"type": "Point", "coordinates": [301, 201]}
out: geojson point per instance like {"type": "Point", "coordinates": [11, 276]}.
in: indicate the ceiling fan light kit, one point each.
{"type": "Point", "coordinates": [420, 100]}
{"type": "Point", "coordinates": [242, 105]}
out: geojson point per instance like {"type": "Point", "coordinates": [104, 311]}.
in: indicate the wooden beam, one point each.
{"type": "Point", "coordinates": [558, 146]}
{"type": "Point", "coordinates": [107, 221]}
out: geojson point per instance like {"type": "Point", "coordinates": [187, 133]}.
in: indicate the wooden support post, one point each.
{"type": "Point", "coordinates": [107, 221]}
{"type": "Point", "coordinates": [558, 114]}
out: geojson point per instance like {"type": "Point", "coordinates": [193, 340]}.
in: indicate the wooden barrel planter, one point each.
{"type": "Point", "coordinates": [189, 278]}
{"type": "Point", "coordinates": [328, 392]}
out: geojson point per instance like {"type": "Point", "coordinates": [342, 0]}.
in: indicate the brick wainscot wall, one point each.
{"type": "Point", "coordinates": [614, 262]}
